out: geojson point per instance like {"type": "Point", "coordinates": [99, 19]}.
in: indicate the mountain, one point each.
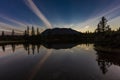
{"type": "Point", "coordinates": [60, 31]}
{"type": "Point", "coordinates": [60, 34]}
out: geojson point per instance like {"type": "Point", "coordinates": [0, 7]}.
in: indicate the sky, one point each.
{"type": "Point", "coordinates": [81, 15]}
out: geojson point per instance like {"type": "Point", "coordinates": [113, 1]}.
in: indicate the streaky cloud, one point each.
{"type": "Point", "coordinates": [35, 9]}
{"type": "Point", "coordinates": [92, 22]}
{"type": "Point", "coordinates": [115, 22]}
{"type": "Point", "coordinates": [20, 24]}
{"type": "Point", "coordinates": [8, 27]}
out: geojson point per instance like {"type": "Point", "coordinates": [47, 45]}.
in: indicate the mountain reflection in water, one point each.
{"type": "Point", "coordinates": [58, 61]}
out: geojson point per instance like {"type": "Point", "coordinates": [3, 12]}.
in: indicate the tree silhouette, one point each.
{"type": "Point", "coordinates": [102, 25]}
{"type": "Point", "coordinates": [118, 29]}
{"type": "Point", "coordinates": [38, 33]}
{"type": "Point", "coordinates": [33, 31]}
{"type": "Point", "coordinates": [3, 34]}
{"type": "Point", "coordinates": [13, 32]}
{"type": "Point", "coordinates": [27, 32]}
{"type": "Point", "coordinates": [108, 28]}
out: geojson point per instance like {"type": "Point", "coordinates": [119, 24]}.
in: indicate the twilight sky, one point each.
{"type": "Point", "coordinates": [81, 15]}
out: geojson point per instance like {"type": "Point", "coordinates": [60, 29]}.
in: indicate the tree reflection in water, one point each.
{"type": "Point", "coordinates": [31, 47]}
{"type": "Point", "coordinates": [104, 59]}
{"type": "Point", "coordinates": [107, 59]}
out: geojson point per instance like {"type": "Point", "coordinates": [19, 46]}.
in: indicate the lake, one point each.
{"type": "Point", "coordinates": [57, 62]}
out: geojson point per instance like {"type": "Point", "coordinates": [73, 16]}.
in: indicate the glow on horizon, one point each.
{"type": "Point", "coordinates": [91, 23]}
{"type": "Point", "coordinates": [35, 9]}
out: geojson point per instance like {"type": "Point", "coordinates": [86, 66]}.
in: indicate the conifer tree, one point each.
{"type": "Point", "coordinates": [38, 31]}
{"type": "Point", "coordinates": [33, 31]}
{"type": "Point", "coordinates": [3, 33]}
{"type": "Point", "coordinates": [102, 25]}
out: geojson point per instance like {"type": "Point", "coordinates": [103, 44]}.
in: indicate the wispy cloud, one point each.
{"type": "Point", "coordinates": [7, 27]}
{"type": "Point", "coordinates": [18, 27]}
{"type": "Point", "coordinates": [20, 24]}
{"type": "Point", "coordinates": [115, 22]}
{"type": "Point", "coordinates": [35, 9]}
{"type": "Point", "coordinates": [92, 22]}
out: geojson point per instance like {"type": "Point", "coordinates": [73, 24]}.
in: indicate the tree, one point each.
{"type": "Point", "coordinates": [38, 33]}
{"type": "Point", "coordinates": [118, 29]}
{"type": "Point", "coordinates": [3, 33]}
{"type": "Point", "coordinates": [98, 28]}
{"type": "Point", "coordinates": [27, 30]}
{"type": "Point", "coordinates": [33, 31]}
{"type": "Point", "coordinates": [108, 28]}
{"type": "Point", "coordinates": [102, 25]}
{"type": "Point", "coordinates": [25, 33]}
{"type": "Point", "coordinates": [13, 32]}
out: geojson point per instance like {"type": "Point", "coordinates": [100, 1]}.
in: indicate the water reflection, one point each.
{"type": "Point", "coordinates": [34, 46]}
{"type": "Point", "coordinates": [39, 65]}
{"type": "Point", "coordinates": [58, 62]}
{"type": "Point", "coordinates": [107, 59]}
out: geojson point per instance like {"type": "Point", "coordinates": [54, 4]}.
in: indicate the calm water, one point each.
{"type": "Point", "coordinates": [57, 62]}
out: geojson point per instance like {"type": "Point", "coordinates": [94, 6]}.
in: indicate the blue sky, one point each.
{"type": "Point", "coordinates": [81, 15]}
